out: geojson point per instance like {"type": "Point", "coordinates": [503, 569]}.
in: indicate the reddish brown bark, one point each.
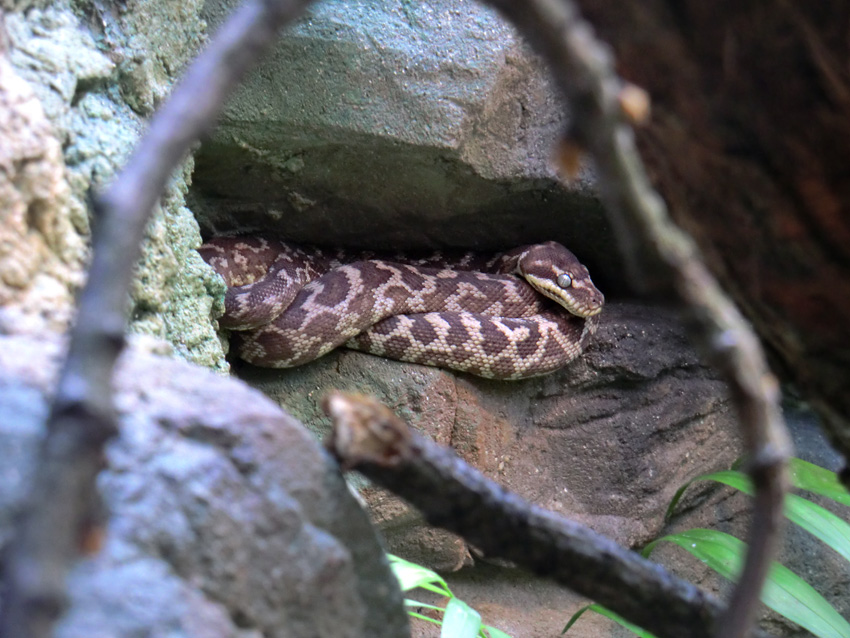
{"type": "Point", "coordinates": [750, 145]}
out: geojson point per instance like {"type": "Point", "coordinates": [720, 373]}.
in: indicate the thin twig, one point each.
{"type": "Point", "coordinates": [59, 516]}
{"type": "Point", "coordinates": [369, 438]}
{"type": "Point", "coordinates": [654, 246]}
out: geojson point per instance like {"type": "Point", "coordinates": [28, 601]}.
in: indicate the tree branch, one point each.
{"type": "Point", "coordinates": [60, 512]}
{"type": "Point", "coordinates": [655, 247]}
{"type": "Point", "coordinates": [368, 437]}
{"type": "Point", "coordinates": [59, 516]}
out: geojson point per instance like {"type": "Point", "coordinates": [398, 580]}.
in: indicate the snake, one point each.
{"type": "Point", "coordinates": [512, 315]}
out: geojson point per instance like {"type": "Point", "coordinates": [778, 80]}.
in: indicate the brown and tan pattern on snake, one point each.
{"type": "Point", "coordinates": [515, 315]}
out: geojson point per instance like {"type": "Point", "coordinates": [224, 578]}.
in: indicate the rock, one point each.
{"type": "Point", "coordinates": [440, 95]}
{"type": "Point", "coordinates": [605, 441]}
{"type": "Point", "coordinates": [73, 74]}
{"type": "Point", "coordinates": [523, 605]}
{"type": "Point", "coordinates": [225, 518]}
{"type": "Point", "coordinates": [41, 252]}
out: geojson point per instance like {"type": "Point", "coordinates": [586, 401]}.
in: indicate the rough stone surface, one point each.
{"type": "Point", "coordinates": [441, 96]}
{"type": "Point", "coordinates": [89, 133]}
{"type": "Point", "coordinates": [153, 42]}
{"type": "Point", "coordinates": [725, 509]}
{"type": "Point", "coordinates": [225, 518]}
{"type": "Point", "coordinates": [41, 252]}
{"type": "Point", "coordinates": [606, 441]}
{"type": "Point", "coordinates": [532, 608]}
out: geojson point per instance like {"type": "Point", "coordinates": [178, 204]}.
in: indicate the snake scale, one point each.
{"type": "Point", "coordinates": [514, 315]}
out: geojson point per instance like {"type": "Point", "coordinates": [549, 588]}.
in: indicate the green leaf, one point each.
{"type": "Point", "coordinates": [807, 476]}
{"type": "Point", "coordinates": [804, 476]}
{"type": "Point", "coordinates": [574, 618]}
{"type": "Point", "coordinates": [419, 616]}
{"type": "Point", "coordinates": [819, 522]}
{"type": "Point", "coordinates": [784, 592]}
{"type": "Point", "coordinates": [410, 576]}
{"type": "Point", "coordinates": [604, 611]}
{"type": "Point", "coordinates": [732, 478]}
{"type": "Point", "coordinates": [813, 518]}
{"type": "Point", "coordinates": [492, 632]}
{"type": "Point", "coordinates": [409, 602]}
{"type": "Point", "coordinates": [676, 497]}
{"type": "Point", "coordinates": [460, 620]}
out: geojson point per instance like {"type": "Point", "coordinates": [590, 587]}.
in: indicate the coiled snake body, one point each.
{"type": "Point", "coordinates": [514, 315]}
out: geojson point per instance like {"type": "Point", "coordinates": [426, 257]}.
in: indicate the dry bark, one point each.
{"type": "Point", "coordinates": [748, 143]}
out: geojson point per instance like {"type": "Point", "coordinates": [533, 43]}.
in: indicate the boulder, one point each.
{"type": "Point", "coordinates": [41, 250]}
{"type": "Point", "coordinates": [392, 124]}
{"type": "Point", "coordinates": [225, 517]}
{"type": "Point", "coordinates": [722, 508]}
{"type": "Point", "coordinates": [605, 441]}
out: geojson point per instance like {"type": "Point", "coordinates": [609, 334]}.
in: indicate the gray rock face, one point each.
{"type": "Point", "coordinates": [395, 124]}
{"type": "Point", "coordinates": [606, 441]}
{"type": "Point", "coordinates": [226, 519]}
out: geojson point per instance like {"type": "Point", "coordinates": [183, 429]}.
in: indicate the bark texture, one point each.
{"type": "Point", "coordinates": [748, 143]}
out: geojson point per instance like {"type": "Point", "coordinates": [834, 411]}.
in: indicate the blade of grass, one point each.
{"type": "Point", "coordinates": [413, 614]}
{"type": "Point", "coordinates": [813, 478]}
{"type": "Point", "coordinates": [604, 611]}
{"type": "Point", "coordinates": [460, 620]}
{"type": "Point", "coordinates": [676, 497]}
{"type": "Point", "coordinates": [574, 618]}
{"type": "Point", "coordinates": [409, 602]}
{"type": "Point", "coordinates": [458, 624]}
{"type": "Point", "coordinates": [410, 576]}
{"type": "Point", "coordinates": [818, 521]}
{"type": "Point", "coordinates": [804, 476]}
{"type": "Point", "coordinates": [784, 592]}
{"type": "Point", "coordinates": [492, 632]}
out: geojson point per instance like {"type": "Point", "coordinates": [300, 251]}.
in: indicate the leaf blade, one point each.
{"type": "Point", "coordinates": [494, 632]}
{"type": "Point", "coordinates": [410, 576]}
{"type": "Point", "coordinates": [604, 611]}
{"type": "Point", "coordinates": [784, 591]}
{"type": "Point", "coordinates": [816, 520]}
{"type": "Point", "coordinates": [813, 478]}
{"type": "Point", "coordinates": [460, 620]}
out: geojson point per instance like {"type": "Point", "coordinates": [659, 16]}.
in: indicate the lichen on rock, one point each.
{"type": "Point", "coordinates": [41, 252]}
{"type": "Point", "coordinates": [88, 133]}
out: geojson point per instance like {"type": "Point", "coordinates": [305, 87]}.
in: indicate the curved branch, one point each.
{"type": "Point", "coordinates": [583, 70]}
{"type": "Point", "coordinates": [58, 520]}
{"type": "Point", "coordinates": [369, 438]}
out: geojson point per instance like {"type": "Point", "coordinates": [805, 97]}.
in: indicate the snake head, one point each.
{"type": "Point", "coordinates": [555, 272]}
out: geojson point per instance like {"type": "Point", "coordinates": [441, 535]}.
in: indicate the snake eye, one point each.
{"type": "Point", "coordinates": [564, 280]}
